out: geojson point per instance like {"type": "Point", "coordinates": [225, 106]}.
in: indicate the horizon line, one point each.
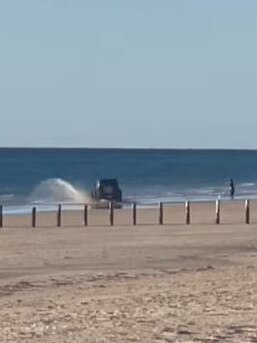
{"type": "Point", "coordinates": [119, 148]}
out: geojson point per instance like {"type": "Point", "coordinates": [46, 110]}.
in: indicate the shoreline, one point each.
{"type": "Point", "coordinates": [129, 203]}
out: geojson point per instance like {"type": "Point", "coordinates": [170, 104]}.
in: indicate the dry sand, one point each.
{"type": "Point", "coordinates": [149, 283]}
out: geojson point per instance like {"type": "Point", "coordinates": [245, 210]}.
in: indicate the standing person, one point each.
{"type": "Point", "coordinates": [232, 189]}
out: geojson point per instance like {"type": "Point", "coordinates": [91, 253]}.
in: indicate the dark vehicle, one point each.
{"type": "Point", "coordinates": [107, 190]}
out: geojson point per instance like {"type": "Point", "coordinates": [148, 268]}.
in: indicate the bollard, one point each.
{"type": "Point", "coordinates": [161, 213]}
{"type": "Point", "coordinates": [247, 211]}
{"type": "Point", "coordinates": [86, 215]}
{"type": "Point", "coordinates": [187, 212]}
{"type": "Point", "coordinates": [59, 215]}
{"type": "Point", "coordinates": [33, 217]}
{"type": "Point", "coordinates": [134, 212]}
{"type": "Point", "coordinates": [217, 212]}
{"type": "Point", "coordinates": [111, 213]}
{"type": "Point", "coordinates": [1, 216]}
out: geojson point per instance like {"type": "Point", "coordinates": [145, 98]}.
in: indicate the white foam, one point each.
{"type": "Point", "coordinates": [247, 184]}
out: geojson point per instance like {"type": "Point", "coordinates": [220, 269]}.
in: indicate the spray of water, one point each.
{"type": "Point", "coordinates": [58, 191]}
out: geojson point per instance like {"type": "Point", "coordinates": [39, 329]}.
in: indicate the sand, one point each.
{"type": "Point", "coordinates": [149, 283]}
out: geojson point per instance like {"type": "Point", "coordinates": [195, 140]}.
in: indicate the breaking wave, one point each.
{"type": "Point", "coordinates": [58, 191]}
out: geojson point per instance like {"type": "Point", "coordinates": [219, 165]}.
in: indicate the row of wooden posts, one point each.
{"type": "Point", "coordinates": [134, 214]}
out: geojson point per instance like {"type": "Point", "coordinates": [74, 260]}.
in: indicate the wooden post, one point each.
{"type": "Point", "coordinates": [86, 215]}
{"type": "Point", "coordinates": [1, 216]}
{"type": "Point", "coordinates": [187, 212]}
{"type": "Point", "coordinates": [161, 213]}
{"type": "Point", "coordinates": [217, 212]}
{"type": "Point", "coordinates": [111, 214]}
{"type": "Point", "coordinates": [247, 211]}
{"type": "Point", "coordinates": [33, 217]}
{"type": "Point", "coordinates": [134, 213]}
{"type": "Point", "coordinates": [59, 215]}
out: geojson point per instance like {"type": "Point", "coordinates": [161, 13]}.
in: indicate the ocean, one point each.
{"type": "Point", "coordinates": [51, 176]}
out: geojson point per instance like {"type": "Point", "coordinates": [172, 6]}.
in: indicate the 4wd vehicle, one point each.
{"type": "Point", "coordinates": [107, 190]}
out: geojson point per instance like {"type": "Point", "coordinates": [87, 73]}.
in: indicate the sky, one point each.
{"type": "Point", "coordinates": [128, 73]}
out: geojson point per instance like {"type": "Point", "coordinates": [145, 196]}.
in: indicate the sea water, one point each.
{"type": "Point", "coordinates": [50, 176]}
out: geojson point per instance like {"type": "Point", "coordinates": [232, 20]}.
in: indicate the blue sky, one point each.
{"type": "Point", "coordinates": [134, 73]}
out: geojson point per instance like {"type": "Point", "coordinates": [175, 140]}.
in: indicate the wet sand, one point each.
{"type": "Point", "coordinates": [149, 283]}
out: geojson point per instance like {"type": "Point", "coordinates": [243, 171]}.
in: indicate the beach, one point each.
{"type": "Point", "coordinates": [144, 283]}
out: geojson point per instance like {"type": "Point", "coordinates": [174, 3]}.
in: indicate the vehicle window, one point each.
{"type": "Point", "coordinates": [108, 189]}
